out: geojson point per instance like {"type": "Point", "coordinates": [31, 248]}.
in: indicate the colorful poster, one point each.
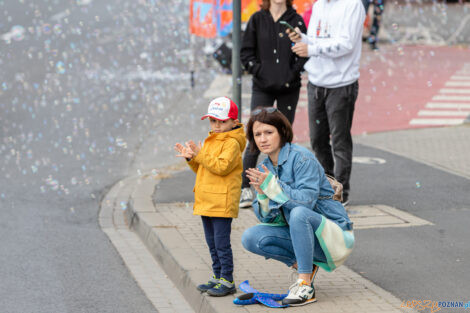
{"type": "Point", "coordinates": [210, 18]}
{"type": "Point", "coordinates": [202, 18]}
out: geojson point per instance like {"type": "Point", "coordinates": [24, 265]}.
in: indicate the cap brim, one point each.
{"type": "Point", "coordinates": [209, 115]}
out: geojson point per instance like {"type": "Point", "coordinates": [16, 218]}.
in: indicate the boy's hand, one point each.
{"type": "Point", "coordinates": [294, 36]}
{"type": "Point", "coordinates": [191, 145]}
{"type": "Point", "coordinates": [301, 49]}
{"type": "Point", "coordinates": [183, 151]}
{"type": "Point", "coordinates": [257, 177]}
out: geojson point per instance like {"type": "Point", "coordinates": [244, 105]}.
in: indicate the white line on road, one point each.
{"type": "Point", "coordinates": [443, 105]}
{"type": "Point", "coordinates": [458, 84]}
{"type": "Point", "coordinates": [451, 98]}
{"type": "Point", "coordinates": [436, 121]}
{"type": "Point", "coordinates": [460, 77]}
{"type": "Point", "coordinates": [454, 90]}
{"type": "Point", "coordinates": [442, 113]}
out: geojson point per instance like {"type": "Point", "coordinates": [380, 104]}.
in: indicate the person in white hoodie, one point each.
{"type": "Point", "coordinates": [333, 44]}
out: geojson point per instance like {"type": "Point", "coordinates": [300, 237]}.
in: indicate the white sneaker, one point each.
{"type": "Point", "coordinates": [246, 197]}
{"type": "Point", "coordinates": [300, 293]}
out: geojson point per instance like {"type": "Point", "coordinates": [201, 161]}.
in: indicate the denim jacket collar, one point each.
{"type": "Point", "coordinates": [283, 154]}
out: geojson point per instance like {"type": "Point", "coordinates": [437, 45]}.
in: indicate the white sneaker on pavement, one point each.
{"type": "Point", "coordinates": [246, 198]}
{"type": "Point", "coordinates": [300, 293]}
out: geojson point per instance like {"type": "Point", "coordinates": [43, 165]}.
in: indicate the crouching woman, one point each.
{"type": "Point", "coordinates": [301, 225]}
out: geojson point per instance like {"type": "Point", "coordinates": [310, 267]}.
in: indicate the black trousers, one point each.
{"type": "Point", "coordinates": [330, 114]}
{"type": "Point", "coordinates": [286, 103]}
{"type": "Point", "coordinates": [217, 232]}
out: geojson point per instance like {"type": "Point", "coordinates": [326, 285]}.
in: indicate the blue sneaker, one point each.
{"type": "Point", "coordinates": [223, 288]}
{"type": "Point", "coordinates": [210, 284]}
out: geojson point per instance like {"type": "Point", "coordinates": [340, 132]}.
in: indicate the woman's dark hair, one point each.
{"type": "Point", "coordinates": [270, 116]}
{"type": "Point", "coordinates": [267, 4]}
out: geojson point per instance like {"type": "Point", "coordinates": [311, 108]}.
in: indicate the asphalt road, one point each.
{"type": "Point", "coordinates": [85, 87]}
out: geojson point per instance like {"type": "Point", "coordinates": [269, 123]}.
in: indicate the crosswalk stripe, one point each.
{"type": "Point", "coordinates": [451, 98]}
{"type": "Point", "coordinates": [436, 121]}
{"type": "Point", "coordinates": [460, 77]}
{"type": "Point", "coordinates": [458, 84]}
{"type": "Point", "coordinates": [454, 90]}
{"type": "Point", "coordinates": [443, 113]}
{"type": "Point", "coordinates": [443, 105]}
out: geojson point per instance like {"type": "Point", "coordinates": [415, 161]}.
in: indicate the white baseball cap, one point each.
{"type": "Point", "coordinates": [222, 109]}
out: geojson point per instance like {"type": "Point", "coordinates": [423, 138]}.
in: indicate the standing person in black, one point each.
{"type": "Point", "coordinates": [266, 54]}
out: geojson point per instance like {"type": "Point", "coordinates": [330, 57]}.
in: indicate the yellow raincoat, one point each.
{"type": "Point", "coordinates": [218, 167]}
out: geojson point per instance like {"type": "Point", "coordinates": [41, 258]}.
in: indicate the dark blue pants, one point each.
{"type": "Point", "coordinates": [217, 231]}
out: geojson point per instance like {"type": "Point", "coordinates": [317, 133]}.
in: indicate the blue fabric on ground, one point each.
{"type": "Point", "coordinates": [253, 296]}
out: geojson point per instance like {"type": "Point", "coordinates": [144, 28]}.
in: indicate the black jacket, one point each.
{"type": "Point", "coordinates": [266, 51]}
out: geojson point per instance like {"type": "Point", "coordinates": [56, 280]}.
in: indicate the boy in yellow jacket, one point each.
{"type": "Point", "coordinates": [218, 167]}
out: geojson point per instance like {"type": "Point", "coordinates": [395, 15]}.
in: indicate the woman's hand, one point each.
{"type": "Point", "coordinates": [257, 177]}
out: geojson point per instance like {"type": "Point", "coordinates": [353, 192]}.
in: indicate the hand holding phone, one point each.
{"type": "Point", "coordinates": [288, 25]}
{"type": "Point", "coordinates": [294, 35]}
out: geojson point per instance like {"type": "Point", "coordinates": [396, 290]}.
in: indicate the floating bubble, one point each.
{"type": "Point", "coordinates": [418, 184]}
{"type": "Point", "coordinates": [429, 83]}
{"type": "Point", "coordinates": [123, 205]}
{"type": "Point", "coordinates": [60, 67]}
{"type": "Point", "coordinates": [46, 29]}
{"type": "Point", "coordinates": [57, 29]}
{"type": "Point", "coordinates": [73, 181]}
{"type": "Point", "coordinates": [17, 33]}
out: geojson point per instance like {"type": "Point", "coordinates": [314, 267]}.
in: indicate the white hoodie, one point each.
{"type": "Point", "coordinates": [334, 38]}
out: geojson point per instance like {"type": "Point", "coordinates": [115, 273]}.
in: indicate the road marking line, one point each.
{"type": "Point", "coordinates": [451, 98]}
{"type": "Point", "coordinates": [436, 121]}
{"type": "Point", "coordinates": [458, 84]}
{"type": "Point", "coordinates": [444, 105]}
{"type": "Point", "coordinates": [453, 90]}
{"type": "Point", "coordinates": [460, 77]}
{"type": "Point", "coordinates": [443, 113]}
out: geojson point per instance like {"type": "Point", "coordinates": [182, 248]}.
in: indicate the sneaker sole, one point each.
{"type": "Point", "coordinates": [313, 300]}
{"type": "Point", "coordinates": [222, 295]}
{"type": "Point", "coordinates": [245, 205]}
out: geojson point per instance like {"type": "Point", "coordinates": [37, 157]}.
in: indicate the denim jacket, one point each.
{"type": "Point", "coordinates": [303, 182]}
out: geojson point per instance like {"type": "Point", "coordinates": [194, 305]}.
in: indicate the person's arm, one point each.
{"type": "Point", "coordinates": [304, 191]}
{"type": "Point", "coordinates": [193, 165]}
{"type": "Point", "coordinates": [263, 201]}
{"type": "Point", "coordinates": [248, 49]}
{"type": "Point", "coordinates": [300, 62]}
{"type": "Point", "coordinates": [220, 164]}
{"type": "Point", "coordinates": [350, 30]}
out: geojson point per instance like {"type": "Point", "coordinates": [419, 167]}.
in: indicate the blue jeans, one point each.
{"type": "Point", "coordinates": [288, 244]}
{"type": "Point", "coordinates": [217, 231]}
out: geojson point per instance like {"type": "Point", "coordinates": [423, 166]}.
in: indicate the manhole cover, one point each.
{"type": "Point", "coordinates": [379, 216]}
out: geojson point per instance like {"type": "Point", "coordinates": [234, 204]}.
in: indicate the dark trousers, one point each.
{"type": "Point", "coordinates": [286, 103]}
{"type": "Point", "coordinates": [217, 231]}
{"type": "Point", "coordinates": [330, 113]}
{"type": "Point", "coordinates": [378, 10]}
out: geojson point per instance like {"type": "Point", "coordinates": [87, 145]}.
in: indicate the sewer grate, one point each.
{"type": "Point", "coordinates": [380, 216]}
